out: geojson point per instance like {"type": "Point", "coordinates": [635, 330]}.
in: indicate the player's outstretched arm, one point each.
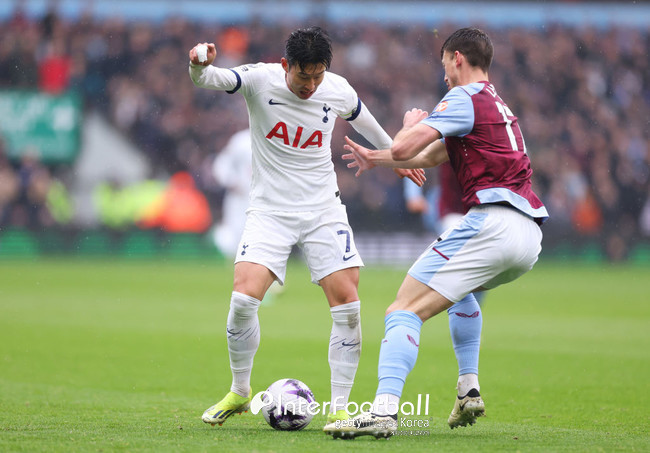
{"type": "Point", "coordinates": [365, 159]}
{"type": "Point", "coordinates": [367, 125]}
{"type": "Point", "coordinates": [204, 74]}
{"type": "Point", "coordinates": [414, 136]}
{"type": "Point", "coordinates": [434, 154]}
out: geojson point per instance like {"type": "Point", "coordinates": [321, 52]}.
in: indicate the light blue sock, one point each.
{"type": "Point", "coordinates": [465, 322]}
{"type": "Point", "coordinates": [399, 351]}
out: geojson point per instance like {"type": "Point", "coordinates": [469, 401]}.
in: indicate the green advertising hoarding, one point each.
{"type": "Point", "coordinates": [46, 124]}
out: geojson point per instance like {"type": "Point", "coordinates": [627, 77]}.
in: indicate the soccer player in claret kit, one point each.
{"type": "Point", "coordinates": [294, 200]}
{"type": "Point", "coordinates": [498, 240]}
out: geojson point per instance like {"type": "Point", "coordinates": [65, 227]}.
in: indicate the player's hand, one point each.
{"type": "Point", "coordinates": [358, 155]}
{"type": "Point", "coordinates": [414, 174]}
{"type": "Point", "coordinates": [212, 54]}
{"type": "Point", "coordinates": [413, 117]}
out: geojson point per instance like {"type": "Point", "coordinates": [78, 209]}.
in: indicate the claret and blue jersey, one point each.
{"type": "Point", "coordinates": [486, 149]}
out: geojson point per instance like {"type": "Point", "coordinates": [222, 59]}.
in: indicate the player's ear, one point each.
{"type": "Point", "coordinates": [285, 64]}
{"type": "Point", "coordinates": [458, 57]}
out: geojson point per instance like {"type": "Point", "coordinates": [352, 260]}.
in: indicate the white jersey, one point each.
{"type": "Point", "coordinates": [292, 157]}
{"type": "Point", "coordinates": [232, 166]}
{"type": "Point", "coordinates": [232, 170]}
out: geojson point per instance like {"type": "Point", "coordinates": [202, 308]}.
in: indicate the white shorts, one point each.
{"type": "Point", "coordinates": [324, 236]}
{"type": "Point", "coordinates": [492, 245]}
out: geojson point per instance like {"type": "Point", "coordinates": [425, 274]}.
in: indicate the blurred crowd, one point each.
{"type": "Point", "coordinates": [582, 96]}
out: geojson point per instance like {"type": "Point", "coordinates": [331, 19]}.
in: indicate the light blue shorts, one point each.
{"type": "Point", "coordinates": [489, 246]}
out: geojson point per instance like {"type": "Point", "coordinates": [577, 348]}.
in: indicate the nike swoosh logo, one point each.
{"type": "Point", "coordinates": [343, 343]}
{"type": "Point", "coordinates": [272, 102]}
{"type": "Point", "coordinates": [346, 258]}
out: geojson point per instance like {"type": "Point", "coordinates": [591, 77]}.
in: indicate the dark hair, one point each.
{"type": "Point", "coordinates": [309, 46]}
{"type": "Point", "coordinates": [474, 44]}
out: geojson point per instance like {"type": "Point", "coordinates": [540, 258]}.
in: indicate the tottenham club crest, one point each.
{"type": "Point", "coordinates": [326, 109]}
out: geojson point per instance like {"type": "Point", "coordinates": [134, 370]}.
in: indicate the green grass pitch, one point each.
{"type": "Point", "coordinates": [125, 356]}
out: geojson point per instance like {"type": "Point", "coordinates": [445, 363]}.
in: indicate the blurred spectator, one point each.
{"type": "Point", "coordinates": [585, 119]}
{"type": "Point", "coordinates": [54, 69]}
{"type": "Point", "coordinates": [644, 221]}
{"type": "Point", "coordinates": [441, 206]}
{"type": "Point", "coordinates": [586, 216]}
{"type": "Point", "coordinates": [9, 188]}
{"type": "Point", "coordinates": [30, 208]}
{"type": "Point", "coordinates": [180, 209]}
{"type": "Point", "coordinates": [18, 50]}
{"type": "Point", "coordinates": [233, 44]}
{"type": "Point", "coordinates": [59, 203]}
{"type": "Point", "coordinates": [119, 208]}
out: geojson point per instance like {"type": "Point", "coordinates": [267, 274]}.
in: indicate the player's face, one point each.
{"type": "Point", "coordinates": [451, 72]}
{"type": "Point", "coordinates": [303, 82]}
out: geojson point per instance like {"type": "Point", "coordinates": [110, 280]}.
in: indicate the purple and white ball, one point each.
{"type": "Point", "coordinates": [289, 405]}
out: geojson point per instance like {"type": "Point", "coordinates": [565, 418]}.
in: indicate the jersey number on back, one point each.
{"type": "Point", "coordinates": [507, 113]}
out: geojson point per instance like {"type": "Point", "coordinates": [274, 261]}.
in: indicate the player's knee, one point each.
{"type": "Point", "coordinates": [341, 288]}
{"type": "Point", "coordinates": [342, 298]}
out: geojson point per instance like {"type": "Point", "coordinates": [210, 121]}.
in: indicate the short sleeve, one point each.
{"type": "Point", "coordinates": [250, 78]}
{"type": "Point", "coordinates": [454, 114]}
{"type": "Point", "coordinates": [345, 101]}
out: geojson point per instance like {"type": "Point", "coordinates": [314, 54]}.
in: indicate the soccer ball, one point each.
{"type": "Point", "coordinates": [288, 405]}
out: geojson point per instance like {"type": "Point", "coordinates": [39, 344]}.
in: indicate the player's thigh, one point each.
{"type": "Point", "coordinates": [454, 264]}
{"type": "Point", "coordinates": [267, 240]}
{"type": "Point", "coordinates": [341, 287]}
{"type": "Point", "coordinates": [327, 243]}
{"type": "Point", "coordinates": [521, 249]}
{"type": "Point", "coordinates": [486, 244]}
{"type": "Point", "coordinates": [252, 279]}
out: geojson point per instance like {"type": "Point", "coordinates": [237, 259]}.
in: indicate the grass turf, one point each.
{"type": "Point", "coordinates": [125, 356]}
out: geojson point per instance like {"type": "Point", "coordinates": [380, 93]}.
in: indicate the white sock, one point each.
{"type": "Point", "coordinates": [344, 351]}
{"type": "Point", "coordinates": [385, 404]}
{"type": "Point", "coordinates": [467, 382]}
{"type": "Point", "coordinates": [243, 333]}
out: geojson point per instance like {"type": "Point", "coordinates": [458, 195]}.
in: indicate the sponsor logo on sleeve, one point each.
{"type": "Point", "coordinates": [441, 107]}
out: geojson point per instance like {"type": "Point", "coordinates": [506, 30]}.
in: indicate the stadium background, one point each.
{"type": "Point", "coordinates": [98, 112]}
{"type": "Point", "coordinates": [102, 352]}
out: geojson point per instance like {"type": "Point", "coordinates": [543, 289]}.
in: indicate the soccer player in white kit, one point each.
{"type": "Point", "coordinates": [497, 240]}
{"type": "Point", "coordinates": [294, 200]}
{"type": "Point", "coordinates": [232, 169]}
